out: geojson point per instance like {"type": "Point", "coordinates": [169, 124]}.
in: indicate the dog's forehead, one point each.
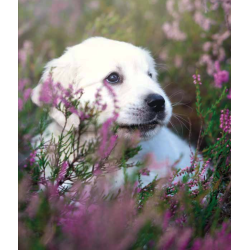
{"type": "Point", "coordinates": [102, 52]}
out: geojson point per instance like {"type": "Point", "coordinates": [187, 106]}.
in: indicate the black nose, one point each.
{"type": "Point", "coordinates": [155, 102]}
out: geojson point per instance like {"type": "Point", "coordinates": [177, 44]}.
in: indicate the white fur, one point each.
{"type": "Point", "coordinates": [87, 64]}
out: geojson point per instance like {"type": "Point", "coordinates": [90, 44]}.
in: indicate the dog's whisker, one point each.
{"type": "Point", "coordinates": [176, 93]}
{"type": "Point", "coordinates": [180, 114]}
{"type": "Point", "coordinates": [161, 66]}
{"type": "Point", "coordinates": [164, 88]}
{"type": "Point", "coordinates": [181, 118]}
{"type": "Point", "coordinates": [179, 104]}
{"type": "Point", "coordinates": [181, 122]}
{"type": "Point", "coordinates": [174, 127]}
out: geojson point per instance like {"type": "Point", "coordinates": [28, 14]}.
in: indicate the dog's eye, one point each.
{"type": "Point", "coordinates": [150, 75]}
{"type": "Point", "coordinates": [113, 78]}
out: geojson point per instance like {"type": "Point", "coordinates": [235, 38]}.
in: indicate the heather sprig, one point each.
{"type": "Point", "coordinates": [225, 121]}
{"type": "Point", "coordinates": [221, 76]}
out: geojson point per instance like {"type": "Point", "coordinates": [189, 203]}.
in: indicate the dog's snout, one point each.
{"type": "Point", "coordinates": [155, 102]}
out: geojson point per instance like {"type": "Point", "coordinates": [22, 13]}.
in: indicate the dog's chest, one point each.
{"type": "Point", "coordinates": [164, 150]}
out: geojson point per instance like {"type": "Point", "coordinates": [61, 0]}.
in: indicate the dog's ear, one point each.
{"type": "Point", "coordinates": [63, 71]}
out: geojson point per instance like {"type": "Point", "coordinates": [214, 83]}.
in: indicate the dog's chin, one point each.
{"type": "Point", "coordinates": [143, 131]}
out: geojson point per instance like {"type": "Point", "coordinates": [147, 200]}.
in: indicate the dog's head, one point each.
{"type": "Point", "coordinates": [128, 69]}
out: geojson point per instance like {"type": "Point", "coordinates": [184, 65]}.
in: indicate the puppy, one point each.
{"type": "Point", "coordinates": [143, 105]}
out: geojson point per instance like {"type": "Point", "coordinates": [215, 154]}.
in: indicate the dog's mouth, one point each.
{"type": "Point", "coordinates": [141, 126]}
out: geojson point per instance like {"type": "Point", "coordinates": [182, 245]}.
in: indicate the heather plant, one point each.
{"type": "Point", "coordinates": [154, 216]}
{"type": "Point", "coordinates": [65, 195]}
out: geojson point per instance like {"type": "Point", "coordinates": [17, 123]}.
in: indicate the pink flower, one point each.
{"type": "Point", "coordinates": [63, 171]}
{"type": "Point", "coordinates": [197, 79]}
{"type": "Point", "coordinates": [221, 76]}
{"type": "Point", "coordinates": [225, 121]}
{"type": "Point", "coordinates": [22, 83]}
{"type": "Point", "coordinates": [107, 139]}
{"type": "Point", "coordinates": [25, 52]}
{"type": "Point", "coordinates": [20, 104]}
{"type": "Point", "coordinates": [47, 93]}
{"type": "Point", "coordinates": [32, 157]}
{"type": "Point", "coordinates": [172, 31]}
{"type": "Point", "coordinates": [26, 94]}
{"type": "Point", "coordinates": [144, 171]}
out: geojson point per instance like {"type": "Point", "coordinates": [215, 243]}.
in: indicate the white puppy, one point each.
{"type": "Point", "coordinates": [144, 106]}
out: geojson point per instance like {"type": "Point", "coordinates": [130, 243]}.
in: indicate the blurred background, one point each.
{"type": "Point", "coordinates": [184, 36]}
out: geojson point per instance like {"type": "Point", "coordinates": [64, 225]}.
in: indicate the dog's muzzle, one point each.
{"type": "Point", "coordinates": [152, 118]}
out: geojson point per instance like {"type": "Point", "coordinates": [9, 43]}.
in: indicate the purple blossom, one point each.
{"type": "Point", "coordinates": [172, 31]}
{"type": "Point", "coordinates": [32, 157]}
{"type": "Point", "coordinates": [220, 241]}
{"type": "Point", "coordinates": [26, 94]}
{"type": "Point", "coordinates": [144, 171]}
{"type": "Point", "coordinates": [62, 171]}
{"type": "Point", "coordinates": [20, 104]}
{"type": "Point", "coordinates": [73, 110]}
{"type": "Point", "coordinates": [108, 140]}
{"type": "Point", "coordinates": [196, 79]}
{"type": "Point", "coordinates": [22, 83]}
{"type": "Point", "coordinates": [225, 121]}
{"type": "Point", "coordinates": [79, 91]}
{"type": "Point", "coordinates": [221, 76]}
{"type": "Point", "coordinates": [25, 52]}
{"type": "Point", "coordinates": [48, 93]}
{"type": "Point", "coordinates": [53, 94]}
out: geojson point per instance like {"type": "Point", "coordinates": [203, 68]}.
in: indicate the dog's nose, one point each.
{"type": "Point", "coordinates": [155, 102]}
